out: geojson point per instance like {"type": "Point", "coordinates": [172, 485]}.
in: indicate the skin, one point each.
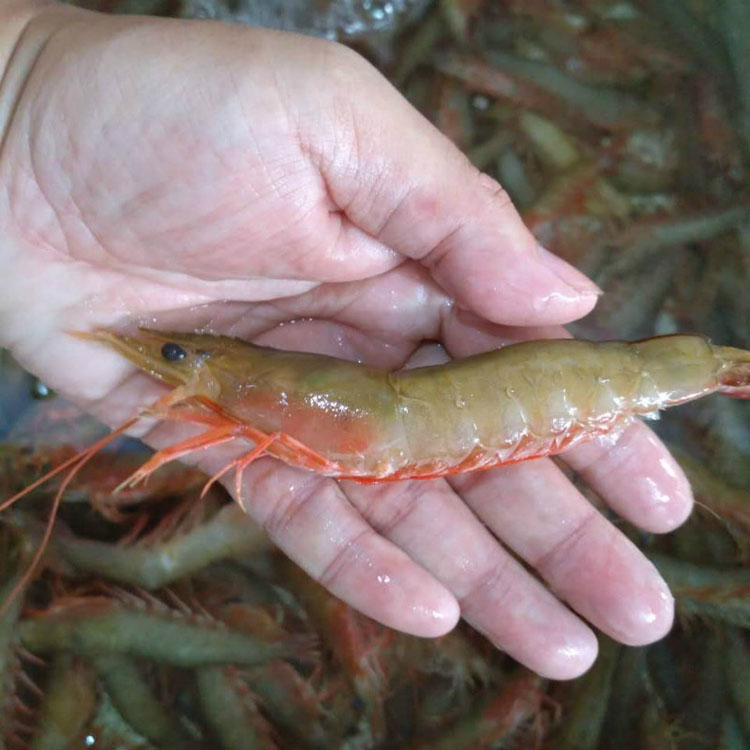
{"type": "Point", "coordinates": [153, 169]}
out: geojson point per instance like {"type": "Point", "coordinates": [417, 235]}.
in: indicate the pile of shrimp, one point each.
{"type": "Point", "coordinates": [160, 617]}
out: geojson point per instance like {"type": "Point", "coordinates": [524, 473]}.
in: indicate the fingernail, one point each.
{"type": "Point", "coordinates": [568, 274]}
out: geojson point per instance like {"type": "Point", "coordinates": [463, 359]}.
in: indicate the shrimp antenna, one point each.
{"type": "Point", "coordinates": [709, 510]}
{"type": "Point", "coordinates": [77, 462]}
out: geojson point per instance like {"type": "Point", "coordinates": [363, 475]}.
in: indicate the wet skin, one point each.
{"type": "Point", "coordinates": [195, 176]}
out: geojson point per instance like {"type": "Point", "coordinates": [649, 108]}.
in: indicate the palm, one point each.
{"type": "Point", "coordinates": [208, 171]}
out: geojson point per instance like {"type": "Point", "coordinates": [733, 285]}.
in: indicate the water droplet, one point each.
{"type": "Point", "coordinates": [40, 390]}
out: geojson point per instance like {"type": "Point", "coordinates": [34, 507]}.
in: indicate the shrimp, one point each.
{"type": "Point", "coordinates": [350, 421]}
{"type": "Point", "coordinates": [347, 420]}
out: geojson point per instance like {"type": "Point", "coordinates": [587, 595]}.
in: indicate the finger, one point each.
{"type": "Point", "coordinates": [310, 519]}
{"type": "Point", "coordinates": [378, 320]}
{"type": "Point", "coordinates": [636, 475]}
{"type": "Point", "coordinates": [466, 334]}
{"type": "Point", "coordinates": [586, 560]}
{"type": "Point", "coordinates": [404, 183]}
{"type": "Point", "coordinates": [498, 597]}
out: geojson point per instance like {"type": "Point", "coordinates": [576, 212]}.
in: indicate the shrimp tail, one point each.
{"type": "Point", "coordinates": [734, 376]}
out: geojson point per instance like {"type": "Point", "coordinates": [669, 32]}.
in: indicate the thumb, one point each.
{"type": "Point", "coordinates": [398, 179]}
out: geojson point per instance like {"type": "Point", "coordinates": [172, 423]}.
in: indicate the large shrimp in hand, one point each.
{"type": "Point", "coordinates": [351, 421]}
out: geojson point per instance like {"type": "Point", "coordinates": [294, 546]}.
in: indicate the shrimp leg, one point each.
{"type": "Point", "coordinates": [240, 464]}
{"type": "Point", "coordinates": [225, 428]}
{"type": "Point", "coordinates": [206, 439]}
{"type": "Point", "coordinates": [291, 448]}
{"type": "Point", "coordinates": [297, 450]}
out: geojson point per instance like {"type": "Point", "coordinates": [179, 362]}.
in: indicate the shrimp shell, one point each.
{"type": "Point", "coordinates": [349, 420]}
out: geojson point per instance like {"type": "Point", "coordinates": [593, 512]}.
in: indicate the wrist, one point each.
{"type": "Point", "coordinates": [22, 36]}
{"type": "Point", "coordinates": [15, 16]}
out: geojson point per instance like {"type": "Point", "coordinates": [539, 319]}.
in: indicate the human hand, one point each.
{"type": "Point", "coordinates": [154, 169]}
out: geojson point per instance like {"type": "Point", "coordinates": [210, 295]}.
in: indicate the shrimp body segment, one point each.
{"type": "Point", "coordinates": [348, 420]}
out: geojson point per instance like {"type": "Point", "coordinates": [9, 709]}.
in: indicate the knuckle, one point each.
{"type": "Point", "coordinates": [347, 554]}
{"type": "Point", "coordinates": [346, 70]}
{"type": "Point", "coordinates": [496, 193]}
{"type": "Point", "coordinates": [496, 581]}
{"type": "Point", "coordinates": [284, 513]}
{"type": "Point", "coordinates": [388, 509]}
{"type": "Point", "coordinates": [565, 546]}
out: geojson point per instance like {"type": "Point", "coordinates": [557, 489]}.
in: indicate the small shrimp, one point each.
{"type": "Point", "coordinates": [351, 421]}
{"type": "Point", "coordinates": [136, 702]}
{"type": "Point", "coordinates": [92, 625]}
{"type": "Point", "coordinates": [499, 719]}
{"type": "Point", "coordinates": [358, 644]}
{"type": "Point", "coordinates": [68, 703]}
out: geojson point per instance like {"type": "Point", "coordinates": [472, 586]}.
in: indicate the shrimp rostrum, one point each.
{"type": "Point", "coordinates": [348, 420]}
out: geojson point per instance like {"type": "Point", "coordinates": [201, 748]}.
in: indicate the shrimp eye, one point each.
{"type": "Point", "coordinates": [173, 352]}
